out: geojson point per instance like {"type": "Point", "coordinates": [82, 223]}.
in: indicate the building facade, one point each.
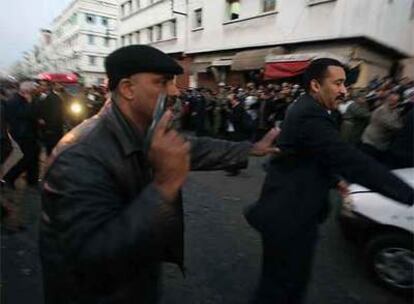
{"type": "Point", "coordinates": [159, 23]}
{"type": "Point", "coordinates": [80, 38]}
{"type": "Point", "coordinates": [234, 41]}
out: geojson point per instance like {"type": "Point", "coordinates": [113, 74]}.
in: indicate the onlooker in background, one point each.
{"type": "Point", "coordinates": [385, 122]}
{"type": "Point", "coordinates": [263, 113]}
{"type": "Point", "coordinates": [10, 155]}
{"type": "Point", "coordinates": [20, 115]}
{"type": "Point", "coordinates": [240, 126]}
{"type": "Point", "coordinates": [209, 109]}
{"type": "Point", "coordinates": [50, 111]}
{"type": "Point", "coordinates": [198, 103]}
{"type": "Point", "coordinates": [401, 151]}
{"type": "Point", "coordinates": [354, 120]}
{"type": "Point", "coordinates": [220, 113]}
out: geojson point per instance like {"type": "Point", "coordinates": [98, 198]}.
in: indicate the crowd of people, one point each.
{"type": "Point", "coordinates": [377, 119]}
{"type": "Point", "coordinates": [112, 209]}
{"type": "Point", "coordinates": [35, 115]}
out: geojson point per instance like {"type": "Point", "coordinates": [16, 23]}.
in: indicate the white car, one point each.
{"type": "Point", "coordinates": [385, 228]}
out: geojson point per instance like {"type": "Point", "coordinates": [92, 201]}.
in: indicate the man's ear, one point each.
{"type": "Point", "coordinates": [125, 89]}
{"type": "Point", "coordinates": [315, 86]}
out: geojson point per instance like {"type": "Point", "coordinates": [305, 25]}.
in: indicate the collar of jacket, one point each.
{"type": "Point", "coordinates": [129, 137]}
{"type": "Point", "coordinates": [20, 98]}
{"type": "Point", "coordinates": [318, 105]}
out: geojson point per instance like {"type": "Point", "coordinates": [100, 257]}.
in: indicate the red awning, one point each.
{"type": "Point", "coordinates": [278, 70]}
{"type": "Point", "coordinates": [61, 78]}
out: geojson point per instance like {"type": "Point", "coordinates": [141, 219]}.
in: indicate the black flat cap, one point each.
{"type": "Point", "coordinates": [134, 59]}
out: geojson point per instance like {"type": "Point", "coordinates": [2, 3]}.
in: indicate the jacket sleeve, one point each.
{"type": "Point", "coordinates": [214, 154]}
{"type": "Point", "coordinates": [388, 121]}
{"type": "Point", "coordinates": [359, 112]}
{"type": "Point", "coordinates": [319, 136]}
{"type": "Point", "coordinates": [96, 224]}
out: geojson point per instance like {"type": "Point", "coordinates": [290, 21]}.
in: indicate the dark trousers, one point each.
{"type": "Point", "coordinates": [29, 163]}
{"type": "Point", "coordinates": [286, 268]}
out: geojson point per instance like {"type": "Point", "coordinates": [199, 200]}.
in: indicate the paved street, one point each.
{"type": "Point", "coordinates": [222, 251]}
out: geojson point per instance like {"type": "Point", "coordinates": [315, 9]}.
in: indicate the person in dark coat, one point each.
{"type": "Point", "coordinates": [112, 210]}
{"type": "Point", "coordinates": [198, 109]}
{"type": "Point", "coordinates": [241, 126]}
{"type": "Point", "coordinates": [240, 120]}
{"type": "Point", "coordinates": [21, 118]}
{"type": "Point", "coordinates": [50, 109]}
{"type": "Point", "coordinates": [294, 197]}
{"type": "Point", "coordinates": [401, 151]}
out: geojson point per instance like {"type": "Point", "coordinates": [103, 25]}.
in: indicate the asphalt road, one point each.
{"type": "Point", "coordinates": [222, 251]}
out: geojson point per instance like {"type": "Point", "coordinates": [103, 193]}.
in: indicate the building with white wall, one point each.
{"type": "Point", "coordinates": [235, 40]}
{"type": "Point", "coordinates": [81, 37]}
{"type": "Point", "coordinates": [160, 23]}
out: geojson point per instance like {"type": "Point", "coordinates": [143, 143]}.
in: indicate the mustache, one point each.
{"type": "Point", "coordinates": [340, 97]}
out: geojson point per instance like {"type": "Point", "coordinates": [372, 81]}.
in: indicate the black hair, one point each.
{"type": "Point", "coordinates": [317, 70]}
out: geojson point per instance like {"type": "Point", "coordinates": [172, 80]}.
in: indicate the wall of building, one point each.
{"type": "Point", "coordinates": [292, 23]}
{"type": "Point", "coordinates": [159, 13]}
{"type": "Point", "coordinates": [71, 46]}
{"type": "Point", "coordinates": [295, 21]}
{"type": "Point", "coordinates": [408, 68]}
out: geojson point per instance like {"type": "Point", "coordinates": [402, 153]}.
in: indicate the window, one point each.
{"type": "Point", "coordinates": [311, 2]}
{"type": "Point", "coordinates": [198, 18]}
{"type": "Point", "coordinates": [233, 9]}
{"type": "Point", "coordinates": [90, 18]}
{"type": "Point", "coordinates": [158, 32]}
{"type": "Point", "coordinates": [129, 7]}
{"type": "Point", "coordinates": [269, 5]}
{"type": "Point", "coordinates": [138, 3]}
{"type": "Point", "coordinates": [106, 41]}
{"type": "Point", "coordinates": [173, 28]}
{"type": "Point", "coordinates": [105, 21]}
{"type": "Point", "coordinates": [92, 60]}
{"type": "Point", "coordinates": [73, 19]}
{"type": "Point", "coordinates": [123, 10]}
{"type": "Point", "coordinates": [123, 40]}
{"type": "Point", "coordinates": [91, 39]}
{"type": "Point", "coordinates": [149, 34]}
{"type": "Point", "coordinates": [130, 37]}
{"type": "Point", "coordinates": [412, 11]}
{"type": "Point", "coordinates": [137, 37]}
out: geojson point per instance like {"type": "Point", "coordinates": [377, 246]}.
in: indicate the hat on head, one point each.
{"type": "Point", "coordinates": [133, 59]}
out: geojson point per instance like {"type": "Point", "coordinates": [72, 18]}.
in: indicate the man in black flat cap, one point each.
{"type": "Point", "coordinates": [111, 211]}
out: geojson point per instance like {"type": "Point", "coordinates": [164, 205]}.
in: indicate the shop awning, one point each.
{"type": "Point", "coordinates": [58, 77]}
{"type": "Point", "coordinates": [253, 59]}
{"type": "Point", "coordinates": [278, 70]}
{"type": "Point", "coordinates": [221, 62]}
{"type": "Point", "coordinates": [284, 66]}
{"type": "Point", "coordinates": [199, 67]}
